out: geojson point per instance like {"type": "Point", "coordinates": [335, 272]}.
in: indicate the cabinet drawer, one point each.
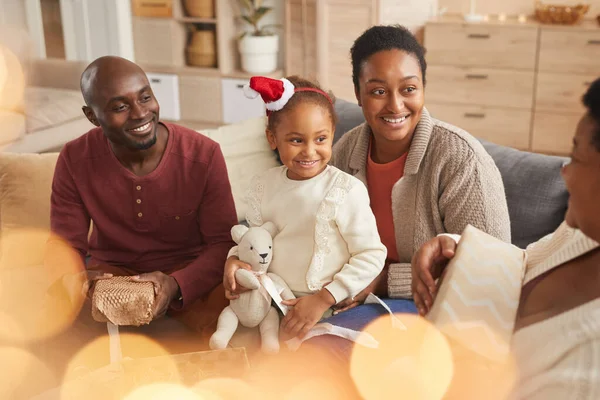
{"type": "Point", "coordinates": [479, 86]}
{"type": "Point", "coordinates": [557, 92]}
{"type": "Point", "coordinates": [481, 45]}
{"type": "Point", "coordinates": [236, 106]}
{"type": "Point", "coordinates": [158, 42]}
{"type": "Point", "coordinates": [200, 98]}
{"type": "Point", "coordinates": [553, 133]}
{"type": "Point", "coordinates": [570, 51]}
{"type": "Point", "coordinates": [501, 126]}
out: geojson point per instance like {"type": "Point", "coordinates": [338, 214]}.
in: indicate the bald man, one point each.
{"type": "Point", "coordinates": [158, 195]}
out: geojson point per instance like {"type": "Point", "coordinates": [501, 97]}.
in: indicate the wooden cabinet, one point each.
{"type": "Point", "coordinates": [568, 64]}
{"type": "Point", "coordinates": [481, 77]}
{"type": "Point", "coordinates": [571, 50]}
{"type": "Point", "coordinates": [496, 46]}
{"type": "Point", "coordinates": [514, 84]}
{"type": "Point", "coordinates": [336, 24]}
{"type": "Point", "coordinates": [500, 125]}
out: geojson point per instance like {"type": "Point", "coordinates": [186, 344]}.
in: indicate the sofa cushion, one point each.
{"type": "Point", "coordinates": [48, 107]}
{"type": "Point", "coordinates": [12, 126]}
{"type": "Point", "coordinates": [247, 153]}
{"type": "Point", "coordinates": [25, 187]}
{"type": "Point", "coordinates": [535, 192]}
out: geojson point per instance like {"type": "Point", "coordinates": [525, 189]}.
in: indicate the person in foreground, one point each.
{"type": "Point", "coordinates": [158, 195]}
{"type": "Point", "coordinates": [424, 176]}
{"type": "Point", "coordinates": [557, 330]}
{"type": "Point", "coordinates": [327, 248]}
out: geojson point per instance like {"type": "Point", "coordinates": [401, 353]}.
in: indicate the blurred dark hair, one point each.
{"type": "Point", "coordinates": [300, 97]}
{"type": "Point", "coordinates": [385, 37]}
{"type": "Point", "coordinates": [591, 100]}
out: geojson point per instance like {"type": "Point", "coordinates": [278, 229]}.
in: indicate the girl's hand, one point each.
{"type": "Point", "coordinates": [305, 313]}
{"type": "Point", "coordinates": [232, 288]}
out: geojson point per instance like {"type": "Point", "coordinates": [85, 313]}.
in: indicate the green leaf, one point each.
{"type": "Point", "coordinates": [248, 19]}
{"type": "Point", "coordinates": [261, 12]}
{"type": "Point", "coordinates": [247, 4]}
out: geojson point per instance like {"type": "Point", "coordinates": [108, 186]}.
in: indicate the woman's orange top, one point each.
{"type": "Point", "coordinates": [381, 178]}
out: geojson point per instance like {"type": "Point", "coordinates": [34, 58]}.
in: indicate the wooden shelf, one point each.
{"type": "Point", "coordinates": [245, 75]}
{"type": "Point", "coordinates": [181, 70]}
{"type": "Point", "coordinates": [195, 20]}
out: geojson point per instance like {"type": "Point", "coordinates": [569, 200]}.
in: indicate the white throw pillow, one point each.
{"type": "Point", "coordinates": [247, 153]}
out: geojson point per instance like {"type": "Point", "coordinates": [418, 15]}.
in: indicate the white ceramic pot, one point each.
{"type": "Point", "coordinates": [259, 53]}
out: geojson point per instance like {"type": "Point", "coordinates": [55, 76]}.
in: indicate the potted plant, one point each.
{"type": "Point", "coordinates": [259, 46]}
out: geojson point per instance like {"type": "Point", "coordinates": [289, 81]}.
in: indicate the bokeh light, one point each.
{"type": "Point", "coordinates": [476, 374]}
{"type": "Point", "coordinates": [13, 85]}
{"type": "Point", "coordinates": [228, 389]}
{"type": "Point", "coordinates": [22, 374]}
{"type": "Point", "coordinates": [416, 362]}
{"type": "Point", "coordinates": [168, 391]}
{"type": "Point", "coordinates": [301, 374]}
{"type": "Point", "coordinates": [145, 362]}
{"type": "Point", "coordinates": [39, 300]}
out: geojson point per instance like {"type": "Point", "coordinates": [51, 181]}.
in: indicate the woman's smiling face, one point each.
{"type": "Point", "coordinates": [391, 94]}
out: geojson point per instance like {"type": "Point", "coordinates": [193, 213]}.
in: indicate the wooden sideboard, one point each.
{"type": "Point", "coordinates": [515, 84]}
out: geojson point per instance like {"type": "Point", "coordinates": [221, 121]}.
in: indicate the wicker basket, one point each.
{"type": "Point", "coordinates": [200, 8]}
{"type": "Point", "coordinates": [554, 14]}
{"type": "Point", "coordinates": [201, 51]}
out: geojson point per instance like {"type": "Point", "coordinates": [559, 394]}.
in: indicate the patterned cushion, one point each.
{"type": "Point", "coordinates": [479, 294]}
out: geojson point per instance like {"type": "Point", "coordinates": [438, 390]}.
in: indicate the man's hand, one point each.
{"type": "Point", "coordinates": [377, 287]}
{"type": "Point", "coordinates": [428, 263]}
{"type": "Point", "coordinates": [88, 285]}
{"type": "Point", "coordinates": [165, 291]}
{"type": "Point", "coordinates": [305, 313]}
{"type": "Point", "coordinates": [232, 288]}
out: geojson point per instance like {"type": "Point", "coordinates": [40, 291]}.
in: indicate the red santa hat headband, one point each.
{"type": "Point", "coordinates": [275, 92]}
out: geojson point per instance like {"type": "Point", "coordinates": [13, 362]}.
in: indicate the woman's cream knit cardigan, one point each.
{"type": "Point", "coordinates": [449, 181]}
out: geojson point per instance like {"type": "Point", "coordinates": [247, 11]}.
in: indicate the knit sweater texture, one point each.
{"type": "Point", "coordinates": [327, 236]}
{"type": "Point", "coordinates": [559, 358]}
{"type": "Point", "coordinates": [449, 182]}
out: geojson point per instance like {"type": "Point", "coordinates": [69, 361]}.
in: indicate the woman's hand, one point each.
{"type": "Point", "coordinates": [428, 263]}
{"type": "Point", "coordinates": [304, 313]}
{"type": "Point", "coordinates": [232, 288]}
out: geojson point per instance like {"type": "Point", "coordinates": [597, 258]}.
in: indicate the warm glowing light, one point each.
{"type": "Point", "coordinates": [416, 362]}
{"type": "Point", "coordinates": [23, 375]}
{"type": "Point", "coordinates": [167, 391]}
{"type": "Point", "coordinates": [228, 389]}
{"type": "Point", "coordinates": [12, 86]}
{"type": "Point", "coordinates": [145, 362]}
{"type": "Point", "coordinates": [39, 301]}
{"type": "Point", "coordinates": [475, 375]}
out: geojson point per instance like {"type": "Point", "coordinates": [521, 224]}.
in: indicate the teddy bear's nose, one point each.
{"type": "Point", "coordinates": [264, 255]}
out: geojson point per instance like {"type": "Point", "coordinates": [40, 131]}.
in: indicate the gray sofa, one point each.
{"type": "Point", "coordinates": [535, 191]}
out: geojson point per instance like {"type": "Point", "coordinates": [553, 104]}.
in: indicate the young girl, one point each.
{"type": "Point", "coordinates": [327, 248]}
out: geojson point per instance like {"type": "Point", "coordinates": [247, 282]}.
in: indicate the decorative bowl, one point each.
{"type": "Point", "coordinates": [555, 14]}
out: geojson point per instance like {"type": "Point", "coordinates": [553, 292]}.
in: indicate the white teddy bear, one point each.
{"type": "Point", "coordinates": [253, 308]}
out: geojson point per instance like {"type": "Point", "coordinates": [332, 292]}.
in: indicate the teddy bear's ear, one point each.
{"type": "Point", "coordinates": [270, 227]}
{"type": "Point", "coordinates": [237, 232]}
